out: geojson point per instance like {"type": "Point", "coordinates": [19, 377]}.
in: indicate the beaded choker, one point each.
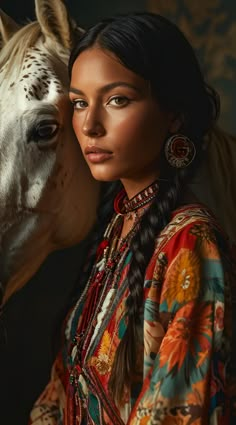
{"type": "Point", "coordinates": [124, 205]}
{"type": "Point", "coordinates": [110, 255]}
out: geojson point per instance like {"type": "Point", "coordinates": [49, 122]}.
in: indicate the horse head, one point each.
{"type": "Point", "coordinates": [48, 198]}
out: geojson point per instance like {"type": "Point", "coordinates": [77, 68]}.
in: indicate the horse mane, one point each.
{"type": "Point", "coordinates": [19, 43]}
{"type": "Point", "coordinates": [25, 38]}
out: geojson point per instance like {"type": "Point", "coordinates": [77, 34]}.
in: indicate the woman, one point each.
{"type": "Point", "coordinates": [150, 339]}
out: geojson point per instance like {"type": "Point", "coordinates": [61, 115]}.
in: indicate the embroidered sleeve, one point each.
{"type": "Point", "coordinates": [185, 383]}
{"type": "Point", "coordinates": [48, 409]}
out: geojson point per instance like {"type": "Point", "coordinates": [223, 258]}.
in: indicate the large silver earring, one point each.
{"type": "Point", "coordinates": [180, 151]}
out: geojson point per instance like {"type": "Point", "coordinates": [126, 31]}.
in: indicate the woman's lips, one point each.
{"type": "Point", "coordinates": [97, 155]}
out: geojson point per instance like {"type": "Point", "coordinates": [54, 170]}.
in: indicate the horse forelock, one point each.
{"type": "Point", "coordinates": [13, 53]}
{"type": "Point", "coordinates": [16, 47]}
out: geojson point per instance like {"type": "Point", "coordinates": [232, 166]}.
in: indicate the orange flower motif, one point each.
{"type": "Point", "coordinates": [182, 281]}
{"type": "Point", "coordinates": [105, 343]}
{"type": "Point", "coordinates": [102, 361]}
{"type": "Point", "coordinates": [189, 333]}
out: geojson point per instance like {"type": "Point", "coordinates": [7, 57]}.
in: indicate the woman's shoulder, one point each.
{"type": "Point", "coordinates": [189, 223]}
{"type": "Point", "coordinates": [190, 215]}
{"type": "Point", "coordinates": [193, 211]}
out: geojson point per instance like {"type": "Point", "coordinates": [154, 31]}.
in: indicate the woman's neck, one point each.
{"type": "Point", "coordinates": [132, 187]}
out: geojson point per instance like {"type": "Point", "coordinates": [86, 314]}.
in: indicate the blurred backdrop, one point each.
{"type": "Point", "coordinates": [210, 25]}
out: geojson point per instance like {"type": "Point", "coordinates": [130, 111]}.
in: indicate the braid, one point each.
{"type": "Point", "coordinates": [104, 214]}
{"type": "Point", "coordinates": [142, 248]}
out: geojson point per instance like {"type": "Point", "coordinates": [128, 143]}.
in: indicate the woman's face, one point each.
{"type": "Point", "coordinates": [119, 125]}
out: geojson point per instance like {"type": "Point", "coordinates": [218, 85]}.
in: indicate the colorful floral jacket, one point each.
{"type": "Point", "coordinates": [187, 355]}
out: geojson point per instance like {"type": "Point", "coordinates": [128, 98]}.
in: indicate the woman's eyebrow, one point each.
{"type": "Point", "coordinates": [107, 87]}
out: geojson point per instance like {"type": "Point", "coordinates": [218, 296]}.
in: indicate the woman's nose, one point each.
{"type": "Point", "coordinates": [93, 125]}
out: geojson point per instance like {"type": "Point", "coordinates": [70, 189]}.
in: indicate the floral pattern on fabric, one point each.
{"type": "Point", "coordinates": [186, 377]}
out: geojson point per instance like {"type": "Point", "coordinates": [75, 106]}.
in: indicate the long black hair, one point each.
{"type": "Point", "coordinates": [155, 49]}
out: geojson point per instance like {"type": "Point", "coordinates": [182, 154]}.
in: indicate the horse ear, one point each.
{"type": "Point", "coordinates": [7, 27]}
{"type": "Point", "coordinates": [55, 22]}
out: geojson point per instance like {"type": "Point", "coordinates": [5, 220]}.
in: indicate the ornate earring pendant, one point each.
{"type": "Point", "coordinates": [179, 151]}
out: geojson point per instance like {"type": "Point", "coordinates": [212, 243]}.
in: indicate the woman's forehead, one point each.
{"type": "Point", "coordinates": [101, 67]}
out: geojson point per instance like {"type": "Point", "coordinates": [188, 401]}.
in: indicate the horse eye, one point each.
{"type": "Point", "coordinates": [45, 131]}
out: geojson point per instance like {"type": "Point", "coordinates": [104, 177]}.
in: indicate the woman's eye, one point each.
{"type": "Point", "coordinates": [79, 104]}
{"type": "Point", "coordinates": [118, 101]}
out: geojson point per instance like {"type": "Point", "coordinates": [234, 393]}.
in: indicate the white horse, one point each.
{"type": "Point", "coordinates": [47, 195]}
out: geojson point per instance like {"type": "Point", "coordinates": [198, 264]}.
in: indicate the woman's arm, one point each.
{"type": "Point", "coordinates": [186, 383]}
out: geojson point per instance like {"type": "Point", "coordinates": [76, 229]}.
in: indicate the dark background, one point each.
{"type": "Point", "coordinates": [31, 320]}
{"type": "Point", "coordinates": [86, 12]}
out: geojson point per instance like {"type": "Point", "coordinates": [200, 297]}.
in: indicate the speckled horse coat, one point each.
{"type": "Point", "coordinates": [43, 176]}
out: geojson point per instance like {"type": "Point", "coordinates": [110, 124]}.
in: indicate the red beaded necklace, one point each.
{"type": "Point", "coordinates": [109, 259]}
